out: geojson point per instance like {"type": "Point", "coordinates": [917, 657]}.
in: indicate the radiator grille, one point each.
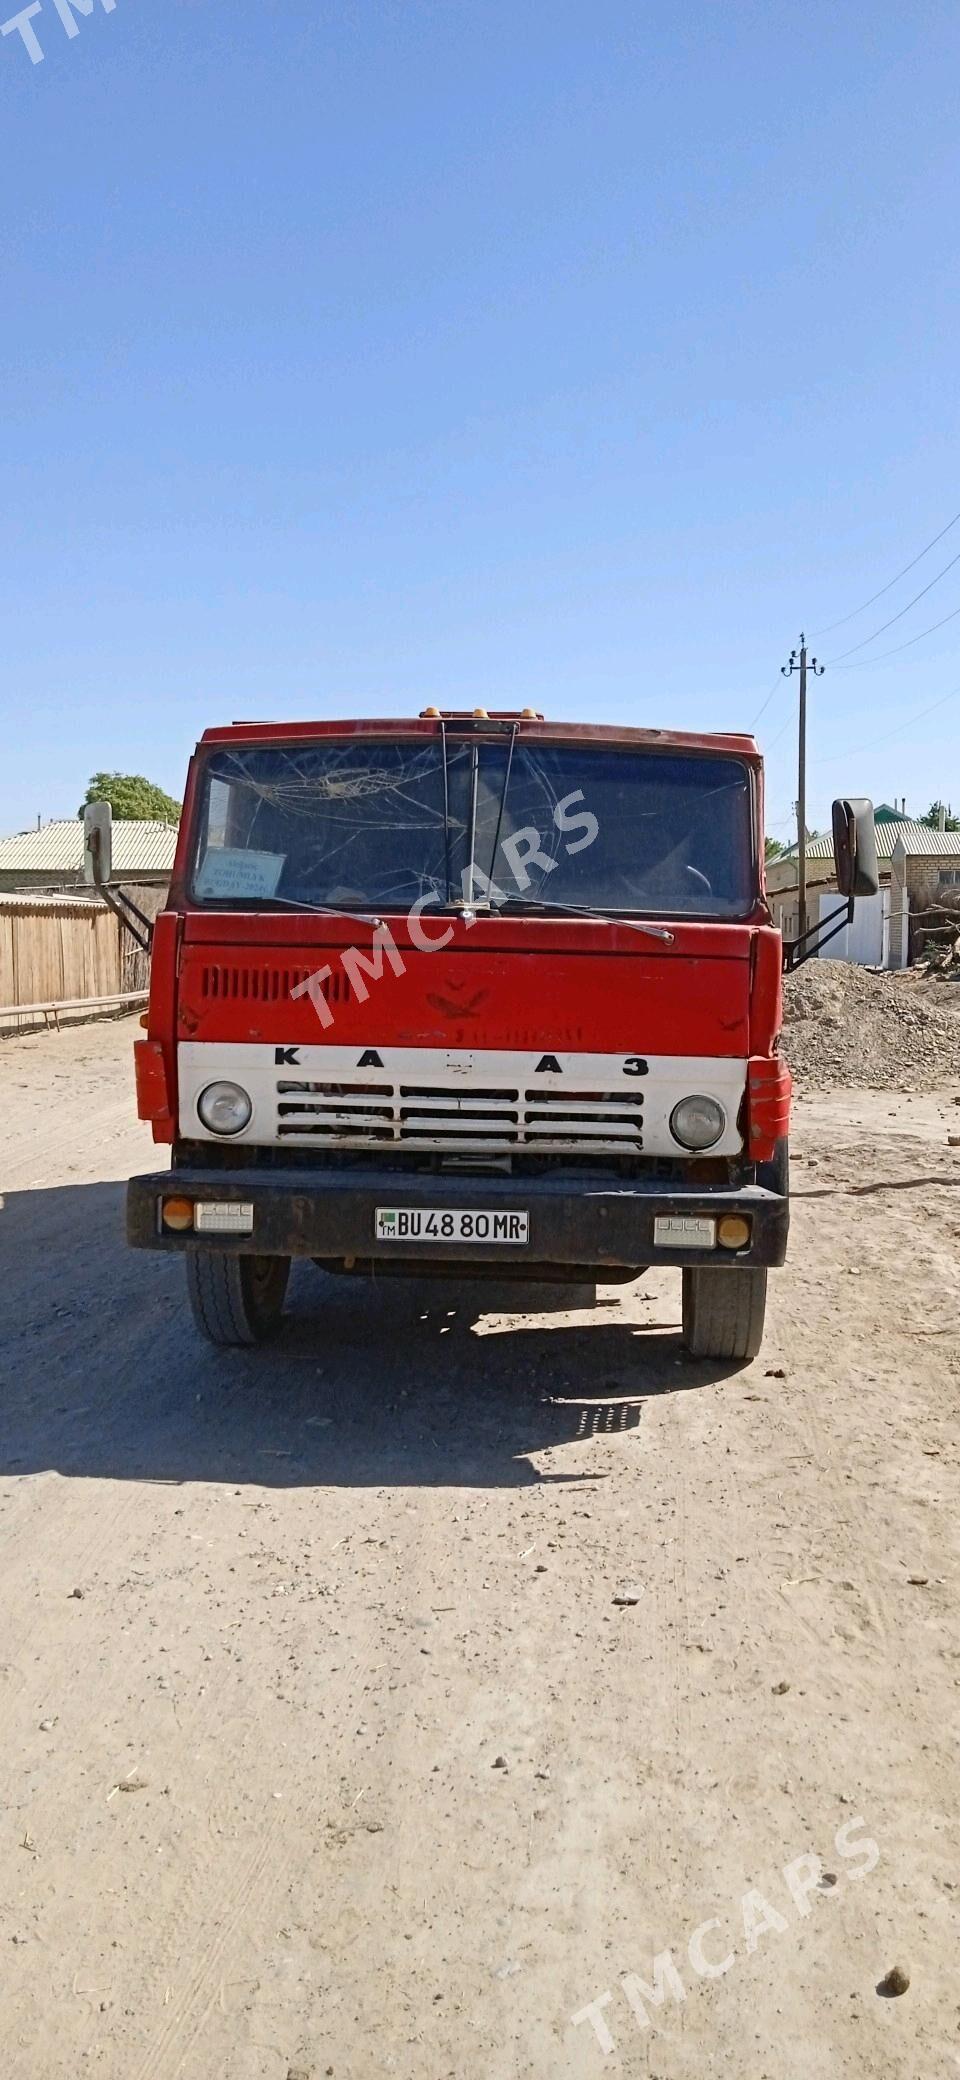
{"type": "Point", "coordinates": [226, 983]}
{"type": "Point", "coordinates": [363, 1114]}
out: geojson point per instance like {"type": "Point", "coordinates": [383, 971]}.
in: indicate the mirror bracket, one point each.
{"type": "Point", "coordinates": [813, 941]}
{"type": "Point", "coordinates": [97, 865]}
{"type": "Point", "coordinates": [136, 923]}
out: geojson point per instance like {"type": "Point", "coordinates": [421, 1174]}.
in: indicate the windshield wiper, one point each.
{"type": "Point", "coordinates": [446, 807]}
{"type": "Point", "coordinates": [324, 910]}
{"type": "Point", "coordinates": [632, 924]}
{"type": "Point", "coordinates": [514, 733]}
{"type": "Point", "coordinates": [472, 829]}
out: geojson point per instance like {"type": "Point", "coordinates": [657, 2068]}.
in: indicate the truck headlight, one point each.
{"type": "Point", "coordinates": [697, 1122]}
{"type": "Point", "coordinates": [225, 1108]}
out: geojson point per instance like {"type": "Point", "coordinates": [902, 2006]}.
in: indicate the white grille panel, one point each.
{"type": "Point", "coordinates": [459, 1101]}
{"type": "Point", "coordinates": [431, 1116]}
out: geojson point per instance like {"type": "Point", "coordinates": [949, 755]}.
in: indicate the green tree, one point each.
{"type": "Point", "coordinates": [932, 818]}
{"type": "Point", "coordinates": [132, 798]}
{"type": "Point", "coordinates": [772, 848]}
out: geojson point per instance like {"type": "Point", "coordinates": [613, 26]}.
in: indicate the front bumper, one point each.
{"type": "Point", "coordinates": [577, 1221]}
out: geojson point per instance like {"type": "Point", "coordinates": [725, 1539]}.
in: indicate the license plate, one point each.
{"type": "Point", "coordinates": [684, 1231]}
{"type": "Point", "coordinates": [441, 1224]}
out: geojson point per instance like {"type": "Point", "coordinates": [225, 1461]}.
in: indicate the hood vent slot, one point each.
{"type": "Point", "coordinates": [229, 983]}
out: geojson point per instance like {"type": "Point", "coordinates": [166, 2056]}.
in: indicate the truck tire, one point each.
{"type": "Point", "coordinates": [723, 1310]}
{"type": "Point", "coordinates": [236, 1300]}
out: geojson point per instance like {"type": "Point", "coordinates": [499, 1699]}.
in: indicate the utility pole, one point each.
{"type": "Point", "coordinates": [799, 662]}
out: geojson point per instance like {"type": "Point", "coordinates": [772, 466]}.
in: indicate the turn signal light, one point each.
{"type": "Point", "coordinates": [153, 1096]}
{"type": "Point", "coordinates": [177, 1213]}
{"type": "Point", "coordinates": [734, 1231]}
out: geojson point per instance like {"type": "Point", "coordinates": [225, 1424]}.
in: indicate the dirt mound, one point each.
{"type": "Point", "coordinates": [870, 1031]}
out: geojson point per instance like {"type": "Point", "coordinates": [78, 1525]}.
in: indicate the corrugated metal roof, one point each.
{"type": "Point", "coordinates": [919, 842]}
{"type": "Point", "coordinates": [821, 846]}
{"type": "Point", "coordinates": [57, 848]}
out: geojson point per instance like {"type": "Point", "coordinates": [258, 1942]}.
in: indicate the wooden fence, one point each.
{"type": "Point", "coordinates": [52, 949]}
{"type": "Point", "coordinates": [60, 950]}
{"type": "Point", "coordinates": [134, 963]}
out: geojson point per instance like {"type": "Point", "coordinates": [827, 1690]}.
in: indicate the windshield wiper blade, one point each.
{"type": "Point", "coordinates": [632, 924]}
{"type": "Point", "coordinates": [472, 829]}
{"type": "Point", "coordinates": [446, 807]}
{"type": "Point", "coordinates": [514, 733]}
{"type": "Point", "coordinates": [325, 910]}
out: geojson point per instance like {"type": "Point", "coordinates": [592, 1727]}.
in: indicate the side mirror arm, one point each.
{"type": "Point", "coordinates": [136, 923]}
{"type": "Point", "coordinates": [98, 855]}
{"type": "Point", "coordinates": [800, 950]}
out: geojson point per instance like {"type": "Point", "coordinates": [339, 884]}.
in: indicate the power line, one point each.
{"type": "Point", "coordinates": [899, 617]}
{"type": "Point", "coordinates": [844, 618]}
{"type": "Point", "coordinates": [766, 704]}
{"type": "Point", "coordinates": [864, 663]}
{"type": "Point", "coordinates": [781, 732]}
{"type": "Point", "coordinates": [835, 757]}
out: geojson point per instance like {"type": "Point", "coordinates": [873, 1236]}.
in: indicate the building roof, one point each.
{"type": "Point", "coordinates": [57, 848]}
{"type": "Point", "coordinates": [821, 845]}
{"type": "Point", "coordinates": [917, 841]}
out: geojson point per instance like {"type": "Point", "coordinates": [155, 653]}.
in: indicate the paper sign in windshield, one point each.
{"type": "Point", "coordinates": [232, 871]}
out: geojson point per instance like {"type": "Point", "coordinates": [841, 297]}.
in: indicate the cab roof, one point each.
{"type": "Point", "coordinates": [471, 722]}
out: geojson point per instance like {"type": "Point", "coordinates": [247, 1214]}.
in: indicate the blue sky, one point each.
{"type": "Point", "coordinates": [370, 354]}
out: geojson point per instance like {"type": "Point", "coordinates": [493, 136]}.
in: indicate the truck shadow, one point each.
{"type": "Point", "coordinates": [869, 1191]}
{"type": "Point", "coordinates": [386, 1382]}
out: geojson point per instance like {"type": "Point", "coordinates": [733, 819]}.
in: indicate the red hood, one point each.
{"type": "Point", "coordinates": [502, 983]}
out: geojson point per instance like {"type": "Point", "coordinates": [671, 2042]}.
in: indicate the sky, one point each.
{"type": "Point", "coordinates": [360, 355]}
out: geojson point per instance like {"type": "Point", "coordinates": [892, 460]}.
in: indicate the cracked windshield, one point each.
{"type": "Point", "coordinates": [352, 824]}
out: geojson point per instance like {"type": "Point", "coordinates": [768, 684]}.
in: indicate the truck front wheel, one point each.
{"type": "Point", "coordinates": [723, 1311]}
{"type": "Point", "coordinates": [236, 1300]}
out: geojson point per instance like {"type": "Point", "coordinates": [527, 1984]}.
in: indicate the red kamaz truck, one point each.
{"type": "Point", "coordinates": [471, 994]}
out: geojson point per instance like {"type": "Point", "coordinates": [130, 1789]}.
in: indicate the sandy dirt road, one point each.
{"type": "Point", "coordinates": [272, 1624]}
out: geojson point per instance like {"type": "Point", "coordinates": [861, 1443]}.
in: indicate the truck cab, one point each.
{"type": "Point", "coordinates": [466, 995]}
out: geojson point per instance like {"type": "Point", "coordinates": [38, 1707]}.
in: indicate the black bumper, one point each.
{"type": "Point", "coordinates": [575, 1221]}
